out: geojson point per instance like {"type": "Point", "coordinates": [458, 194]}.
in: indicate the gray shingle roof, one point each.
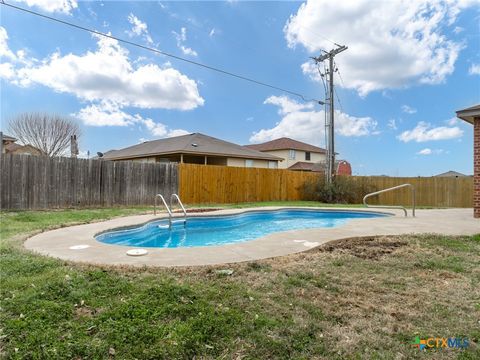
{"type": "Point", "coordinates": [451, 173]}
{"type": "Point", "coordinates": [469, 113]}
{"type": "Point", "coordinates": [285, 144]}
{"type": "Point", "coordinates": [195, 143]}
{"type": "Point", "coordinates": [8, 138]}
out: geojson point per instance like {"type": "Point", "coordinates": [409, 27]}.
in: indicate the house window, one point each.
{"type": "Point", "coordinates": [307, 156]}
{"type": "Point", "coordinates": [272, 165]}
{"type": "Point", "coordinates": [291, 154]}
{"type": "Point", "coordinates": [248, 163]}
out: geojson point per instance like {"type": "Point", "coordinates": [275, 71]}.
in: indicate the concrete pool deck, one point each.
{"type": "Point", "coordinates": [58, 243]}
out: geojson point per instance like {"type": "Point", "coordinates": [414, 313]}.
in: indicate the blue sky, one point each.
{"type": "Point", "coordinates": [409, 66]}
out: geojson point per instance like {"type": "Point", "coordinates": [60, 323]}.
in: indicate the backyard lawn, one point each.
{"type": "Point", "coordinates": [363, 298]}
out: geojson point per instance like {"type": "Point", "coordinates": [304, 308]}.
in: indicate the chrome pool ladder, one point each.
{"type": "Point", "coordinates": [179, 202]}
{"type": "Point", "coordinates": [169, 208]}
{"type": "Point", "coordinates": [392, 206]}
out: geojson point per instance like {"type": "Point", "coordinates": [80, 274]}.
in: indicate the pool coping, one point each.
{"type": "Point", "coordinates": [57, 243]}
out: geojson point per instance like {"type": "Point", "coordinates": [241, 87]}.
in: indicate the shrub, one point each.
{"type": "Point", "coordinates": [343, 190]}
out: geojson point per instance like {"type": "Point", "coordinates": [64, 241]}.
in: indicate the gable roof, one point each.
{"type": "Point", "coordinates": [285, 143]}
{"type": "Point", "coordinates": [314, 167]}
{"type": "Point", "coordinates": [8, 138]}
{"type": "Point", "coordinates": [469, 113]}
{"type": "Point", "coordinates": [195, 143]}
{"type": "Point", "coordinates": [451, 173]}
{"type": "Point", "coordinates": [13, 147]}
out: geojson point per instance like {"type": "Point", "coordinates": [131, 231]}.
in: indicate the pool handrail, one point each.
{"type": "Point", "coordinates": [172, 198]}
{"type": "Point", "coordinates": [392, 206]}
{"type": "Point", "coordinates": [166, 207]}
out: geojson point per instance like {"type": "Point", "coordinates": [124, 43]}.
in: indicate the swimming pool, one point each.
{"type": "Point", "coordinates": [220, 230]}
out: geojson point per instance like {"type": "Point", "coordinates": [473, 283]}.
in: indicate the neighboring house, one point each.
{"type": "Point", "coordinates": [9, 146]}
{"type": "Point", "coordinates": [300, 156]}
{"type": "Point", "coordinates": [292, 151]}
{"type": "Point", "coordinates": [451, 173]}
{"type": "Point", "coordinates": [6, 140]}
{"type": "Point", "coordinates": [195, 149]}
{"type": "Point", "coordinates": [342, 167]}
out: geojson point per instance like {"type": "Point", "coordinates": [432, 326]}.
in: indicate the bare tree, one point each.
{"type": "Point", "coordinates": [50, 133]}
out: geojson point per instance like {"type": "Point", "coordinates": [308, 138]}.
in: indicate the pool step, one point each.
{"type": "Point", "coordinates": [173, 222]}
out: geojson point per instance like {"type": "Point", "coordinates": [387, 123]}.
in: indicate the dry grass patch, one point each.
{"type": "Point", "coordinates": [353, 299]}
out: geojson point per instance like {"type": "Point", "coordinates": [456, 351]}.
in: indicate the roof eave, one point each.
{"type": "Point", "coordinates": [468, 115]}
{"type": "Point", "coordinates": [272, 157]}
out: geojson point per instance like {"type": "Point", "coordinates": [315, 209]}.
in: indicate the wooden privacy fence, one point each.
{"type": "Point", "coordinates": [33, 182]}
{"type": "Point", "coordinates": [430, 191]}
{"type": "Point", "coordinates": [222, 184]}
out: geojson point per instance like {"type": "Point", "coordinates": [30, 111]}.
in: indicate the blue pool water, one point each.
{"type": "Point", "coordinates": [219, 230]}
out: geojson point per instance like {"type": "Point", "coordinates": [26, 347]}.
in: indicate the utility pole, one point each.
{"type": "Point", "coordinates": [330, 126]}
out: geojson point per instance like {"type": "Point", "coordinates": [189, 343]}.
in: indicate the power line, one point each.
{"type": "Point", "coordinates": [338, 100]}
{"type": "Point", "coordinates": [225, 72]}
{"type": "Point", "coordinates": [319, 35]}
{"type": "Point", "coordinates": [339, 74]}
{"type": "Point", "coordinates": [343, 85]}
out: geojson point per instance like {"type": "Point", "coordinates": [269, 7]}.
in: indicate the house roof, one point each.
{"type": "Point", "coordinates": [8, 138]}
{"type": "Point", "coordinates": [451, 173]}
{"type": "Point", "coordinates": [12, 147]}
{"type": "Point", "coordinates": [469, 114]}
{"type": "Point", "coordinates": [195, 143]}
{"type": "Point", "coordinates": [314, 167]}
{"type": "Point", "coordinates": [307, 166]}
{"type": "Point", "coordinates": [285, 143]}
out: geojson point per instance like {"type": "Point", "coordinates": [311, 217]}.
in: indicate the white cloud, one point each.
{"type": "Point", "coordinates": [409, 110]}
{"type": "Point", "coordinates": [181, 38]}
{"type": "Point", "coordinates": [177, 132]}
{"type": "Point", "coordinates": [62, 6]}
{"type": "Point", "coordinates": [139, 28]}
{"type": "Point", "coordinates": [425, 132]}
{"type": "Point", "coordinates": [105, 113]}
{"type": "Point", "coordinates": [287, 105]}
{"type": "Point", "coordinates": [302, 122]}
{"type": "Point", "coordinates": [428, 151]}
{"type": "Point", "coordinates": [108, 113]}
{"type": "Point", "coordinates": [474, 69]}
{"type": "Point", "coordinates": [452, 121]}
{"type": "Point", "coordinates": [425, 151]}
{"type": "Point", "coordinates": [10, 60]}
{"type": "Point", "coordinates": [108, 81]}
{"type": "Point", "coordinates": [391, 44]}
{"type": "Point", "coordinates": [107, 74]}
{"type": "Point", "coordinates": [5, 51]}
{"type": "Point", "coordinates": [392, 124]}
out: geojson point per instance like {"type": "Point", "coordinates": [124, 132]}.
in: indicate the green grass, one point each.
{"type": "Point", "coordinates": [353, 300]}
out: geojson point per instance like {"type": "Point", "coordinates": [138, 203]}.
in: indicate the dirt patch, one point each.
{"type": "Point", "coordinates": [86, 311]}
{"type": "Point", "coordinates": [372, 248]}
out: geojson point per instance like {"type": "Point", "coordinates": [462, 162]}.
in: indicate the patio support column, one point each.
{"type": "Point", "coordinates": [181, 158]}
{"type": "Point", "coordinates": [205, 159]}
{"type": "Point", "coordinates": [476, 167]}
